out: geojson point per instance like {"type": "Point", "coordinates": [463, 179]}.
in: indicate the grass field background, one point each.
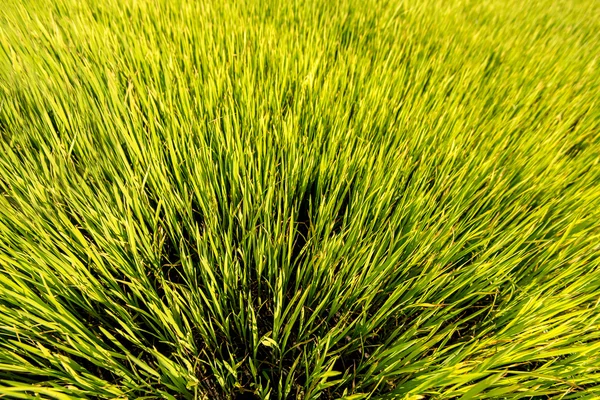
{"type": "Point", "coordinates": [355, 199]}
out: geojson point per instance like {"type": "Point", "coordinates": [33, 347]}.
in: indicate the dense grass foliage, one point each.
{"type": "Point", "coordinates": [299, 200]}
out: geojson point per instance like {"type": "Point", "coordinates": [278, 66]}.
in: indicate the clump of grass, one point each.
{"type": "Point", "coordinates": [299, 200]}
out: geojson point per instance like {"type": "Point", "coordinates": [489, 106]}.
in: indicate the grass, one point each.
{"type": "Point", "coordinates": [299, 200]}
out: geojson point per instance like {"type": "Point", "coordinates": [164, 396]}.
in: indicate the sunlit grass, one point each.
{"type": "Point", "coordinates": [299, 200]}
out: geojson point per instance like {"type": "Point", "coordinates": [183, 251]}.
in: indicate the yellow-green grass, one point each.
{"type": "Point", "coordinates": [352, 199]}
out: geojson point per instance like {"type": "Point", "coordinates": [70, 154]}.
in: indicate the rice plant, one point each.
{"type": "Point", "coordinates": [358, 199]}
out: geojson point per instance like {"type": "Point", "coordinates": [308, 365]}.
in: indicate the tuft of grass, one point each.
{"type": "Point", "coordinates": [350, 200]}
